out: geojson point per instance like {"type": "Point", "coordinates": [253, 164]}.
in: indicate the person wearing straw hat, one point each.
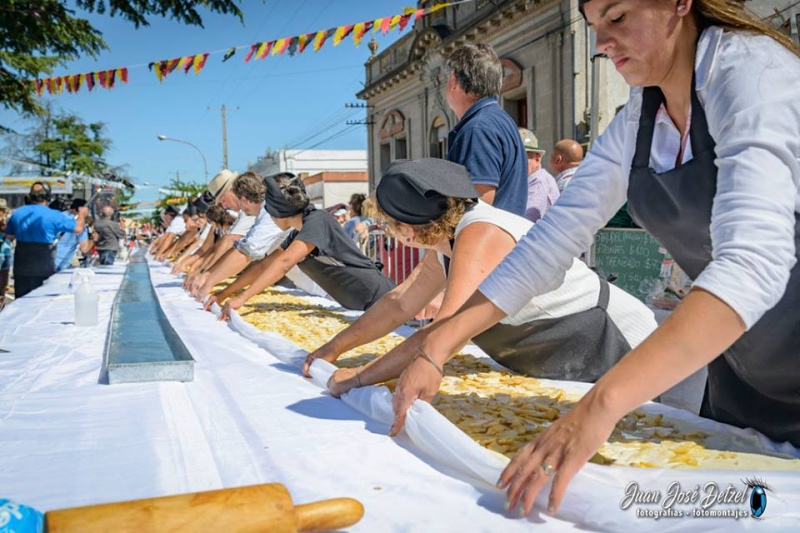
{"type": "Point", "coordinates": [542, 189]}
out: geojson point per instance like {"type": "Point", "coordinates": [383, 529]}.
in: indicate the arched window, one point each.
{"type": "Point", "coordinates": [438, 137]}
{"type": "Point", "coordinates": [393, 139]}
{"type": "Point", "coordinates": [515, 97]}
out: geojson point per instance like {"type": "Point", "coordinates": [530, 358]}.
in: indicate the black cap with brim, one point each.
{"type": "Point", "coordinates": [415, 191]}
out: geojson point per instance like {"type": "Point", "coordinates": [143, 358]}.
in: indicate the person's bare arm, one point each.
{"type": "Point", "coordinates": [486, 193]}
{"type": "Point", "coordinates": [387, 314]}
{"type": "Point", "coordinates": [277, 265]}
{"type": "Point", "coordinates": [479, 249]}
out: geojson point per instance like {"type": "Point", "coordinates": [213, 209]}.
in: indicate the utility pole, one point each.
{"type": "Point", "coordinates": [224, 139]}
{"type": "Point", "coordinates": [178, 177]}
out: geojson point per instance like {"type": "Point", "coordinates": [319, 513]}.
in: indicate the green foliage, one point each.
{"type": "Point", "coordinates": [73, 146]}
{"type": "Point", "coordinates": [188, 190]}
{"type": "Point", "coordinates": [38, 35]}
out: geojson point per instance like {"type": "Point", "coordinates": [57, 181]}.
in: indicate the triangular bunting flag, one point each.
{"type": "Point", "coordinates": [172, 64]}
{"type": "Point", "coordinates": [386, 25]}
{"type": "Point", "coordinates": [59, 85]}
{"type": "Point", "coordinates": [395, 21]}
{"type": "Point", "coordinates": [404, 22]}
{"type": "Point", "coordinates": [320, 38]}
{"type": "Point", "coordinates": [340, 33]}
{"type": "Point", "coordinates": [103, 77]}
{"type": "Point", "coordinates": [292, 48]}
{"type": "Point", "coordinates": [280, 46]}
{"type": "Point", "coordinates": [437, 7]}
{"type": "Point", "coordinates": [39, 86]}
{"type": "Point", "coordinates": [229, 54]}
{"type": "Point", "coordinates": [199, 62]}
{"type": "Point", "coordinates": [418, 14]}
{"type": "Point", "coordinates": [358, 32]}
{"type": "Point", "coordinates": [303, 41]}
{"type": "Point", "coordinates": [186, 63]}
{"type": "Point", "coordinates": [263, 49]}
{"type": "Point", "coordinates": [252, 51]}
{"type": "Point", "coordinates": [122, 73]}
{"type": "Point", "coordinates": [376, 24]}
{"type": "Point", "coordinates": [111, 78]}
{"type": "Point", "coordinates": [90, 81]}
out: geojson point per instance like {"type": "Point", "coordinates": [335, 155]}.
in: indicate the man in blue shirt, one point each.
{"type": "Point", "coordinates": [485, 139]}
{"type": "Point", "coordinates": [36, 226]}
{"type": "Point", "coordinates": [69, 241]}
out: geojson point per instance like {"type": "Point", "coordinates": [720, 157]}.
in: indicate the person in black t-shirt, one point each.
{"type": "Point", "coordinates": [317, 245]}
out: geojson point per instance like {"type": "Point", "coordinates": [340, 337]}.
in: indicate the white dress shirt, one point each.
{"type": "Point", "coordinates": [749, 87]}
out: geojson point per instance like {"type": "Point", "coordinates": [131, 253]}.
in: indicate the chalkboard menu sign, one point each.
{"type": "Point", "coordinates": [631, 255]}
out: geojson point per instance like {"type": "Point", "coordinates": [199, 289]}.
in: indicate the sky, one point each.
{"type": "Point", "coordinates": [277, 102]}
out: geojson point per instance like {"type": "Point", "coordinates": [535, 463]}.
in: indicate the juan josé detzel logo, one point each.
{"type": "Point", "coordinates": [710, 500]}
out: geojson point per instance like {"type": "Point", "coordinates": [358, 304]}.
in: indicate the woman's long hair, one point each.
{"type": "Point", "coordinates": [732, 15]}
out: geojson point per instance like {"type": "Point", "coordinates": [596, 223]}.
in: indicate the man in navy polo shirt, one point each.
{"type": "Point", "coordinates": [36, 226]}
{"type": "Point", "coordinates": [486, 139]}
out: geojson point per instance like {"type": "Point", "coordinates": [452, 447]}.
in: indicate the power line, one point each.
{"type": "Point", "coordinates": [323, 141]}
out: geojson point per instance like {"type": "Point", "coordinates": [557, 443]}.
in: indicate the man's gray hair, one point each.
{"type": "Point", "coordinates": [477, 69]}
{"type": "Point", "coordinates": [107, 211]}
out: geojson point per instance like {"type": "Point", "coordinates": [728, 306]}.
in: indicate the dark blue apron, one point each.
{"type": "Point", "coordinates": [756, 383]}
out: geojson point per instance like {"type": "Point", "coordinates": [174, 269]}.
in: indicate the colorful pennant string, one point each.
{"type": "Point", "coordinates": [196, 62]}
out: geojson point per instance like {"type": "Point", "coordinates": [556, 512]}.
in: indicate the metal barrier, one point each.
{"type": "Point", "coordinates": [397, 260]}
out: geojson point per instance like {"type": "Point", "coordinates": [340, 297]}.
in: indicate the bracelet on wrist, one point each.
{"type": "Point", "coordinates": [358, 378]}
{"type": "Point", "coordinates": [429, 359]}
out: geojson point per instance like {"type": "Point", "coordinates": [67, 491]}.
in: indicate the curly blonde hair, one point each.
{"type": "Point", "coordinates": [428, 234]}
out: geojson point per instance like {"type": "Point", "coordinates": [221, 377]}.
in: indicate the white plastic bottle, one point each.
{"type": "Point", "coordinates": [85, 300]}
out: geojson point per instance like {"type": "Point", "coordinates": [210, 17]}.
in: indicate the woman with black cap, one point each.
{"type": "Point", "coordinates": [575, 332]}
{"type": "Point", "coordinates": [317, 245]}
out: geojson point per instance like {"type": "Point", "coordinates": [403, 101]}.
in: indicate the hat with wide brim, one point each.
{"type": "Point", "coordinates": [530, 141]}
{"type": "Point", "coordinates": [222, 182]}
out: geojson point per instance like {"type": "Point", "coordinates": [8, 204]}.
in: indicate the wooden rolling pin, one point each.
{"type": "Point", "coordinates": [257, 508]}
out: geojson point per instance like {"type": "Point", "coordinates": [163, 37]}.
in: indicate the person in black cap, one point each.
{"type": "Point", "coordinates": [317, 245]}
{"type": "Point", "coordinates": [576, 332]}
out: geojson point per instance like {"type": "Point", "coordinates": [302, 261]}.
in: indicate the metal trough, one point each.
{"type": "Point", "coordinates": [142, 346]}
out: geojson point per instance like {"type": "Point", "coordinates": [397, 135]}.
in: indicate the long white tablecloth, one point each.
{"type": "Point", "coordinates": [68, 440]}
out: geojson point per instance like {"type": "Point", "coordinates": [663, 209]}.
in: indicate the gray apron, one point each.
{"type": "Point", "coordinates": [756, 383]}
{"type": "Point", "coordinates": [578, 347]}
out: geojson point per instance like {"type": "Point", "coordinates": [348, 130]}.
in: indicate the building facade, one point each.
{"type": "Point", "coordinates": [546, 51]}
{"type": "Point", "coordinates": [330, 176]}
{"type": "Point", "coordinates": [327, 189]}
{"type": "Point", "coordinates": [309, 162]}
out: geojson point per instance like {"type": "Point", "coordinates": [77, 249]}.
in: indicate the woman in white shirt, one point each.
{"type": "Point", "coordinates": [575, 332]}
{"type": "Point", "coordinates": [708, 157]}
